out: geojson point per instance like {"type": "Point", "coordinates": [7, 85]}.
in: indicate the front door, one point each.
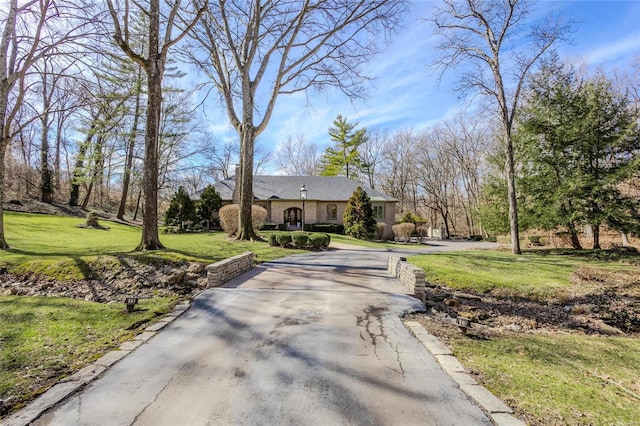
{"type": "Point", "coordinates": [293, 218]}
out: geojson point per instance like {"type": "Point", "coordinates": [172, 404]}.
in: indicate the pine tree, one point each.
{"type": "Point", "coordinates": [209, 203]}
{"type": "Point", "coordinates": [358, 216]}
{"type": "Point", "coordinates": [578, 140]}
{"type": "Point", "coordinates": [344, 159]}
{"type": "Point", "coordinates": [181, 209]}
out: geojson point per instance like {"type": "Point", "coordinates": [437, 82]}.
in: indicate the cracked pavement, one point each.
{"type": "Point", "coordinates": [313, 339]}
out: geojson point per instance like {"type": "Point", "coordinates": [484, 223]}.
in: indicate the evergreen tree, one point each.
{"type": "Point", "coordinates": [181, 209]}
{"type": "Point", "coordinates": [209, 203]}
{"type": "Point", "coordinates": [344, 159]}
{"type": "Point", "coordinates": [358, 216]}
{"type": "Point", "coordinates": [577, 142]}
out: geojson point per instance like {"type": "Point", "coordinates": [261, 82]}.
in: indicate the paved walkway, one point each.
{"type": "Point", "coordinates": [311, 339]}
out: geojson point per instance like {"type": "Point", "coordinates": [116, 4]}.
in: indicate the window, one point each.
{"type": "Point", "coordinates": [332, 212]}
{"type": "Point", "coordinates": [378, 212]}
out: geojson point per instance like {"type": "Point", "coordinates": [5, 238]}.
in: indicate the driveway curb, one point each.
{"type": "Point", "coordinates": [69, 385]}
{"type": "Point", "coordinates": [500, 413]}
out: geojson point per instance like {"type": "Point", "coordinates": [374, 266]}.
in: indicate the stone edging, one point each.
{"type": "Point", "coordinates": [500, 413]}
{"type": "Point", "coordinates": [69, 385]}
{"type": "Point", "coordinates": [220, 272]}
{"type": "Point", "coordinates": [409, 275]}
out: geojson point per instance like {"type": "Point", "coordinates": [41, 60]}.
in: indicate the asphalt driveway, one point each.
{"type": "Point", "coordinates": [312, 339]}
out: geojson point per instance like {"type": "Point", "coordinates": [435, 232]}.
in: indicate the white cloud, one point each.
{"type": "Point", "coordinates": [622, 49]}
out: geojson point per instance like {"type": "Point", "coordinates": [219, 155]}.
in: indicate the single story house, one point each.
{"type": "Point", "coordinates": [326, 199]}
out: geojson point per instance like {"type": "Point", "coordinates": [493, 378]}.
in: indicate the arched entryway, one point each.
{"type": "Point", "coordinates": [293, 218]}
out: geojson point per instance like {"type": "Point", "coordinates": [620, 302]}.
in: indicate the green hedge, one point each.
{"type": "Point", "coordinates": [332, 228]}
{"type": "Point", "coordinates": [300, 240]}
{"type": "Point", "coordinates": [284, 239]}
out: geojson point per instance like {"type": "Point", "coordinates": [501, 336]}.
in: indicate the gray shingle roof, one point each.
{"type": "Point", "coordinates": [321, 188]}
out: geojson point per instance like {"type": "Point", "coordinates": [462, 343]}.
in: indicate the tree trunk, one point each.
{"type": "Point", "coordinates": [625, 239]}
{"type": "Point", "coordinates": [445, 218]}
{"type": "Point", "coordinates": [596, 236]}
{"type": "Point", "coordinates": [150, 239]}
{"type": "Point", "coordinates": [135, 213]}
{"type": "Point", "coordinates": [573, 235]}
{"type": "Point", "coordinates": [87, 196]}
{"type": "Point", "coordinates": [98, 166]}
{"type": "Point", "coordinates": [46, 177]}
{"type": "Point", "coordinates": [3, 149]}
{"type": "Point", "coordinates": [511, 189]}
{"type": "Point", "coordinates": [77, 169]}
{"type": "Point", "coordinates": [57, 175]}
{"type": "Point", "coordinates": [130, 150]}
{"type": "Point", "coordinates": [245, 225]}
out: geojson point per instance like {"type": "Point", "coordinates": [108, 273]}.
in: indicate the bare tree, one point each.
{"type": "Point", "coordinates": [437, 175]}
{"type": "Point", "coordinates": [479, 37]}
{"type": "Point", "coordinates": [397, 170]}
{"type": "Point", "coordinates": [262, 158]}
{"type": "Point", "coordinates": [30, 30]}
{"type": "Point", "coordinates": [153, 60]}
{"type": "Point", "coordinates": [371, 152]}
{"type": "Point", "coordinates": [298, 157]}
{"type": "Point", "coordinates": [223, 157]}
{"type": "Point", "coordinates": [296, 46]}
{"type": "Point", "coordinates": [466, 142]}
{"type": "Point", "coordinates": [131, 141]}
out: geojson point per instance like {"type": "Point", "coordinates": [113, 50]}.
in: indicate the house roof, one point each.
{"type": "Point", "coordinates": [320, 188]}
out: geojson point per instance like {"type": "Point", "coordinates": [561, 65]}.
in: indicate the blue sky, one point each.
{"type": "Point", "coordinates": [406, 92]}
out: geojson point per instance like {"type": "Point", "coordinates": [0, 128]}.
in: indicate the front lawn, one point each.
{"type": "Point", "coordinates": [552, 373]}
{"type": "Point", "coordinates": [532, 274]}
{"type": "Point", "coordinates": [55, 247]}
{"type": "Point", "coordinates": [556, 379]}
{"type": "Point", "coordinates": [43, 339]}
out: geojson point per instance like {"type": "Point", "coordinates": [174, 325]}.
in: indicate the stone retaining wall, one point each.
{"type": "Point", "coordinates": [409, 275]}
{"type": "Point", "coordinates": [220, 272]}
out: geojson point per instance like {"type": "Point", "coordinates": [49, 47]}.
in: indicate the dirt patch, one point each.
{"type": "Point", "coordinates": [112, 279]}
{"type": "Point", "coordinates": [599, 302]}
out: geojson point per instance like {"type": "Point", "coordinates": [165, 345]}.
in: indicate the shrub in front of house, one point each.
{"type": "Point", "coordinates": [318, 241]}
{"type": "Point", "coordinates": [422, 231]}
{"type": "Point", "coordinates": [403, 230]}
{"type": "Point", "coordinates": [228, 216]}
{"type": "Point", "coordinates": [299, 239]}
{"type": "Point", "coordinates": [332, 228]}
{"type": "Point", "coordinates": [258, 216]}
{"type": "Point", "coordinates": [358, 216]}
{"type": "Point", "coordinates": [273, 240]}
{"type": "Point", "coordinates": [380, 228]}
{"type": "Point", "coordinates": [284, 239]}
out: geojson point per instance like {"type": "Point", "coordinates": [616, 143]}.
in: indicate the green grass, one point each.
{"type": "Point", "coordinates": [561, 379]}
{"type": "Point", "coordinates": [54, 246]}
{"type": "Point", "coordinates": [43, 339]}
{"type": "Point", "coordinates": [533, 274]}
{"type": "Point", "coordinates": [564, 379]}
